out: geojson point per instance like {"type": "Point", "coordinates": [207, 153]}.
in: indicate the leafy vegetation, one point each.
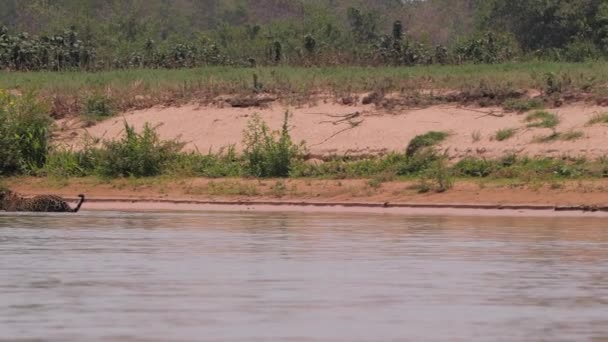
{"type": "Point", "coordinates": [555, 136]}
{"type": "Point", "coordinates": [136, 154]}
{"type": "Point", "coordinates": [523, 105]}
{"type": "Point", "coordinates": [269, 154]}
{"type": "Point", "coordinates": [185, 34]}
{"type": "Point", "coordinates": [426, 140]}
{"type": "Point", "coordinates": [598, 119]}
{"type": "Point", "coordinates": [542, 119]}
{"type": "Point", "coordinates": [24, 134]}
{"type": "Point", "coordinates": [505, 134]}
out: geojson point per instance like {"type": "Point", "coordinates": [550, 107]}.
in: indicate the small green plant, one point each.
{"type": "Point", "coordinates": [424, 141]}
{"type": "Point", "coordinates": [99, 107]}
{"type": "Point", "coordinates": [505, 134]}
{"type": "Point", "coordinates": [439, 177]}
{"type": "Point", "coordinates": [269, 154]}
{"type": "Point", "coordinates": [474, 167]}
{"type": "Point", "coordinates": [542, 119]}
{"type": "Point", "coordinates": [572, 135]}
{"type": "Point", "coordinates": [523, 105]}
{"type": "Point", "coordinates": [600, 118]}
{"type": "Point", "coordinates": [279, 189]}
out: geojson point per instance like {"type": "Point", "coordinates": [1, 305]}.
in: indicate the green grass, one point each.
{"type": "Point", "coordinates": [559, 136]}
{"type": "Point", "coordinates": [517, 75]}
{"type": "Point", "coordinates": [542, 119]}
{"type": "Point", "coordinates": [420, 142]}
{"type": "Point", "coordinates": [137, 88]}
{"type": "Point", "coordinates": [505, 134]}
{"type": "Point", "coordinates": [601, 118]}
{"type": "Point", "coordinates": [523, 105]}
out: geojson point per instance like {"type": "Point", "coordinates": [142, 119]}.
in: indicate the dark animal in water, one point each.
{"type": "Point", "coordinates": [10, 201]}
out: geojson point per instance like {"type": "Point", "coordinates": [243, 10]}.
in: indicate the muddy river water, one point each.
{"type": "Point", "coordinates": [219, 276]}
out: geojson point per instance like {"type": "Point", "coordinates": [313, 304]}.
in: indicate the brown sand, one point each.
{"type": "Point", "coordinates": [327, 131]}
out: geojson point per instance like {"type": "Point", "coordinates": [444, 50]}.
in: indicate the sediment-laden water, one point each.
{"type": "Point", "coordinates": [300, 277]}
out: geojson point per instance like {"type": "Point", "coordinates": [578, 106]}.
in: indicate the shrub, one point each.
{"type": "Point", "coordinates": [209, 165]}
{"type": "Point", "coordinates": [505, 134]}
{"type": "Point", "coordinates": [439, 177]}
{"type": "Point", "coordinates": [598, 119]}
{"type": "Point", "coordinates": [136, 154]}
{"type": "Point", "coordinates": [473, 167]}
{"type": "Point", "coordinates": [417, 164]}
{"type": "Point", "coordinates": [555, 136]}
{"type": "Point", "coordinates": [269, 154]}
{"type": "Point", "coordinates": [420, 142]}
{"type": "Point", "coordinates": [542, 119]}
{"type": "Point", "coordinates": [64, 164]}
{"type": "Point", "coordinates": [523, 105]}
{"type": "Point", "coordinates": [99, 107]}
{"type": "Point", "coordinates": [24, 134]}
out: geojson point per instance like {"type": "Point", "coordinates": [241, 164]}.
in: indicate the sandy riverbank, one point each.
{"type": "Point", "coordinates": [337, 129]}
{"type": "Point", "coordinates": [466, 198]}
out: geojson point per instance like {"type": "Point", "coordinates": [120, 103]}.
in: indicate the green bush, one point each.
{"type": "Point", "coordinates": [542, 119]}
{"type": "Point", "coordinates": [505, 134]}
{"type": "Point", "coordinates": [439, 177]}
{"type": "Point", "coordinates": [269, 154]}
{"type": "Point", "coordinates": [420, 142]}
{"type": "Point", "coordinates": [523, 105]}
{"type": "Point", "coordinates": [473, 167]}
{"type": "Point", "coordinates": [63, 164]}
{"type": "Point", "coordinates": [136, 154]}
{"type": "Point", "coordinates": [24, 134]}
{"type": "Point", "coordinates": [99, 107]}
{"type": "Point", "coordinates": [210, 165]}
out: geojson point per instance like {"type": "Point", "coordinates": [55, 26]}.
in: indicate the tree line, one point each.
{"type": "Point", "coordinates": [95, 34]}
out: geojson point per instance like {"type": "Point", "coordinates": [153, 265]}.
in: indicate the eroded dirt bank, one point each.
{"type": "Point", "coordinates": [337, 129]}
{"type": "Point", "coordinates": [592, 193]}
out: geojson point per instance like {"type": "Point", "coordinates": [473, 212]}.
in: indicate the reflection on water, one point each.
{"type": "Point", "coordinates": [260, 277]}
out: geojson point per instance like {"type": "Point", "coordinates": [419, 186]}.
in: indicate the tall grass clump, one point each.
{"type": "Point", "coordinates": [136, 154]}
{"type": "Point", "coordinates": [523, 105]}
{"type": "Point", "coordinates": [99, 107]}
{"type": "Point", "coordinates": [267, 153]}
{"type": "Point", "coordinates": [420, 142]}
{"type": "Point", "coordinates": [504, 134]}
{"type": "Point", "coordinates": [24, 134]}
{"type": "Point", "coordinates": [64, 163]}
{"type": "Point", "coordinates": [542, 119]}
{"type": "Point", "coordinates": [438, 178]}
{"type": "Point", "coordinates": [226, 163]}
{"type": "Point", "coordinates": [598, 119]}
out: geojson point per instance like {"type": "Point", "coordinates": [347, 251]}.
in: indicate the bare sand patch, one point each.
{"type": "Point", "coordinates": [330, 128]}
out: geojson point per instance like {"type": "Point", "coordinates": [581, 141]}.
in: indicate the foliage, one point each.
{"type": "Point", "coordinates": [53, 52]}
{"type": "Point", "coordinates": [542, 119]}
{"type": "Point", "coordinates": [186, 34]}
{"type": "Point", "coordinates": [99, 107]}
{"type": "Point", "coordinates": [269, 154]}
{"type": "Point", "coordinates": [523, 105]}
{"type": "Point", "coordinates": [473, 167]}
{"type": "Point", "coordinates": [420, 142]}
{"type": "Point", "coordinates": [600, 118]}
{"type": "Point", "coordinates": [24, 134]}
{"type": "Point", "coordinates": [136, 154]}
{"type": "Point", "coordinates": [505, 134]}
{"type": "Point", "coordinates": [439, 178]}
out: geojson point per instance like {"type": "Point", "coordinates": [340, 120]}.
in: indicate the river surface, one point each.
{"type": "Point", "coordinates": [110, 276]}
